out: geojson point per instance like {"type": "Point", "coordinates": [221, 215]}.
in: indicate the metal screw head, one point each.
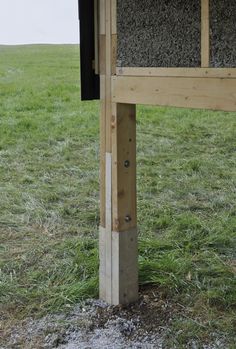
{"type": "Point", "coordinates": [128, 219]}
{"type": "Point", "coordinates": [127, 163]}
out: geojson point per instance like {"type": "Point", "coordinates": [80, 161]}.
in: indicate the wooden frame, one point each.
{"type": "Point", "coordinates": [121, 89]}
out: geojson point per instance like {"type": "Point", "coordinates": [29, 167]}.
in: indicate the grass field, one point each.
{"type": "Point", "coordinates": [49, 209]}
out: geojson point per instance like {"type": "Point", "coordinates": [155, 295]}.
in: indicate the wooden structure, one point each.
{"type": "Point", "coordinates": [208, 83]}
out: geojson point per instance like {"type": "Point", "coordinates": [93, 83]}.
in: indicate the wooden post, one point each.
{"type": "Point", "coordinates": [118, 227]}
{"type": "Point", "coordinates": [205, 34]}
{"type": "Point", "coordinates": [124, 215]}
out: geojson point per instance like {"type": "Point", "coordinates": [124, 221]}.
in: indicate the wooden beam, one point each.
{"type": "Point", "coordinates": [205, 34]}
{"type": "Point", "coordinates": [102, 264]}
{"type": "Point", "coordinates": [124, 167]}
{"type": "Point", "coordinates": [124, 212]}
{"type": "Point", "coordinates": [124, 267]}
{"type": "Point", "coordinates": [102, 152]}
{"type": "Point", "coordinates": [96, 36]}
{"type": "Point", "coordinates": [118, 273]}
{"type": "Point", "coordinates": [202, 93]}
{"type": "Point", "coordinates": [105, 235]}
{"type": "Point", "coordinates": [102, 230]}
{"type": "Point", "coordinates": [108, 75]}
{"type": "Point", "coordinates": [114, 16]}
{"type": "Point", "coordinates": [102, 64]}
{"type": "Point", "coordinates": [102, 17]}
{"type": "Point", "coordinates": [108, 248]}
{"type": "Point", "coordinates": [178, 72]}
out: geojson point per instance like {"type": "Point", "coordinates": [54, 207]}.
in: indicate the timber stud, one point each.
{"type": "Point", "coordinates": [127, 163]}
{"type": "Point", "coordinates": [128, 219]}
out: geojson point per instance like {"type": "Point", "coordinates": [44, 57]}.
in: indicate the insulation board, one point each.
{"type": "Point", "coordinates": [159, 33]}
{"type": "Point", "coordinates": [223, 33]}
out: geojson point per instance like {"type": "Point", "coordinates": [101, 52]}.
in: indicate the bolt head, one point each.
{"type": "Point", "coordinates": [128, 219]}
{"type": "Point", "coordinates": [127, 163]}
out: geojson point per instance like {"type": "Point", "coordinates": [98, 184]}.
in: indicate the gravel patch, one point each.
{"type": "Point", "coordinates": [95, 324]}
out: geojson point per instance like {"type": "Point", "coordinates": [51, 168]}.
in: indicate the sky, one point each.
{"type": "Point", "coordinates": [38, 21]}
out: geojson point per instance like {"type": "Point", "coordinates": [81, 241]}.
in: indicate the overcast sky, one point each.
{"type": "Point", "coordinates": [38, 21]}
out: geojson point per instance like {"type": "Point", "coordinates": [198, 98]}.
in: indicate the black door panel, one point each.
{"type": "Point", "coordinates": [89, 80]}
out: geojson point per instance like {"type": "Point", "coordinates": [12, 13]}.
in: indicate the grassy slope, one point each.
{"type": "Point", "coordinates": [49, 197]}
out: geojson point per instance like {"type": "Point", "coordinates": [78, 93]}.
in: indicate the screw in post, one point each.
{"type": "Point", "coordinates": [127, 163]}
{"type": "Point", "coordinates": [128, 219]}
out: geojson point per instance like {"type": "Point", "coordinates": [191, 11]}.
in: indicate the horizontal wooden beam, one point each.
{"type": "Point", "coordinates": [202, 93]}
{"type": "Point", "coordinates": [178, 72]}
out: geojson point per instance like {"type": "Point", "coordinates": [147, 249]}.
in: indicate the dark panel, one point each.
{"type": "Point", "coordinates": [159, 33]}
{"type": "Point", "coordinates": [89, 80]}
{"type": "Point", "coordinates": [223, 33]}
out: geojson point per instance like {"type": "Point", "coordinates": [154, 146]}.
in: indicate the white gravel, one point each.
{"type": "Point", "coordinates": [95, 325]}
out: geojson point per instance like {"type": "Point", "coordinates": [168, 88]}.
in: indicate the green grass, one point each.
{"type": "Point", "coordinates": [49, 209]}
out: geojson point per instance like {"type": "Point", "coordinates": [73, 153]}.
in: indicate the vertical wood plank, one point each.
{"type": "Point", "coordinates": [124, 167]}
{"type": "Point", "coordinates": [102, 152]}
{"type": "Point", "coordinates": [102, 266]}
{"type": "Point", "coordinates": [125, 267]}
{"type": "Point", "coordinates": [102, 64]}
{"type": "Point", "coordinates": [113, 36]}
{"type": "Point", "coordinates": [102, 55]}
{"type": "Point", "coordinates": [124, 220]}
{"type": "Point", "coordinates": [108, 76]}
{"type": "Point", "coordinates": [114, 16]}
{"type": "Point", "coordinates": [102, 17]}
{"type": "Point", "coordinates": [96, 37]}
{"type": "Point", "coordinates": [108, 280]}
{"type": "Point", "coordinates": [205, 34]}
{"type": "Point", "coordinates": [103, 161]}
{"type": "Point", "coordinates": [118, 232]}
{"type": "Point", "coordinates": [114, 54]}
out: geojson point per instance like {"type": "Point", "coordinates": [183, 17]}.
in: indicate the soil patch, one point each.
{"type": "Point", "coordinates": [95, 324]}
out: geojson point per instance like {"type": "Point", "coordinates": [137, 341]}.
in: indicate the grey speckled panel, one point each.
{"type": "Point", "coordinates": [159, 33]}
{"type": "Point", "coordinates": [223, 33]}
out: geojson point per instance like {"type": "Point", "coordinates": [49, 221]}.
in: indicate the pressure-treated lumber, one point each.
{"type": "Point", "coordinates": [96, 37]}
{"type": "Point", "coordinates": [108, 50]}
{"type": "Point", "coordinates": [119, 278]}
{"type": "Point", "coordinates": [205, 34]}
{"type": "Point", "coordinates": [105, 237]}
{"type": "Point", "coordinates": [108, 247]}
{"type": "Point", "coordinates": [124, 267]}
{"type": "Point", "coordinates": [118, 275]}
{"type": "Point", "coordinates": [178, 72]}
{"type": "Point", "coordinates": [102, 263]}
{"type": "Point", "coordinates": [102, 151]}
{"type": "Point", "coordinates": [118, 240]}
{"type": "Point", "coordinates": [102, 68]}
{"type": "Point", "coordinates": [124, 210]}
{"type": "Point", "coordinates": [202, 93]}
